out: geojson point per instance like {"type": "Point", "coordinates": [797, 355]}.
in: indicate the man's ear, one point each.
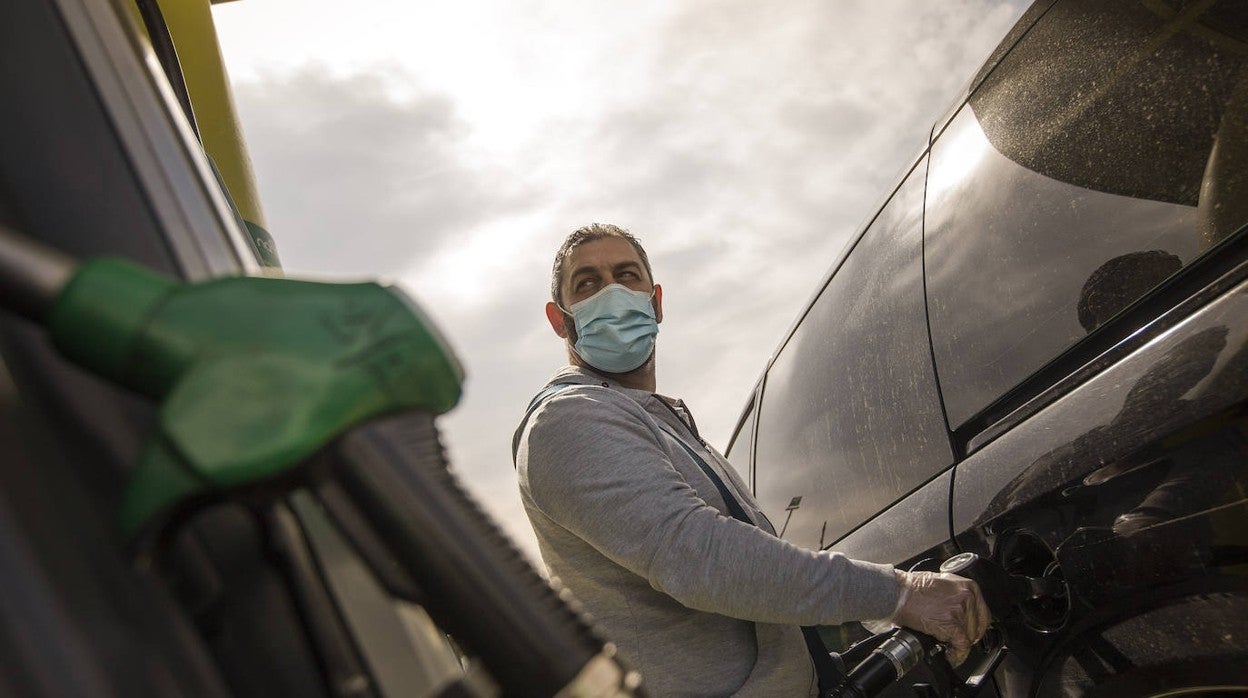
{"type": "Point", "coordinates": [658, 303]}
{"type": "Point", "coordinates": [555, 317]}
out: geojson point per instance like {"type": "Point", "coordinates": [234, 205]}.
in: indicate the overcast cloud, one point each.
{"type": "Point", "coordinates": [453, 148]}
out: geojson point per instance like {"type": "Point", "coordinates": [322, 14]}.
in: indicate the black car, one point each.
{"type": "Point", "coordinates": [1037, 351]}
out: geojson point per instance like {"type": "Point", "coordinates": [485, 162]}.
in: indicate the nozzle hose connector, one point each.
{"type": "Point", "coordinates": [887, 664]}
{"type": "Point", "coordinates": [31, 274]}
{"type": "Point", "coordinates": [903, 651]}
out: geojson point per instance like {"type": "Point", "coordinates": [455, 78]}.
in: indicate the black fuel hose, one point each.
{"type": "Point", "coordinates": [474, 583]}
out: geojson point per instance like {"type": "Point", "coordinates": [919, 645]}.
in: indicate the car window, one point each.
{"type": "Point", "coordinates": [741, 446]}
{"type": "Point", "coordinates": [850, 420]}
{"type": "Point", "coordinates": [1105, 153]}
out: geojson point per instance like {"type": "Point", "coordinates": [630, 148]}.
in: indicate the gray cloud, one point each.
{"type": "Point", "coordinates": [355, 181]}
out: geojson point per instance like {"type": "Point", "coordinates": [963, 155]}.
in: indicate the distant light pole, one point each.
{"type": "Point", "coordinates": [793, 505]}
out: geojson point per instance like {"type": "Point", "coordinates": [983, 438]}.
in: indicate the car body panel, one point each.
{"type": "Point", "coordinates": [1133, 489]}
{"type": "Point", "coordinates": [914, 529]}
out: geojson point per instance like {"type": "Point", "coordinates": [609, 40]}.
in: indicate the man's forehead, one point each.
{"type": "Point", "coordinates": [605, 253]}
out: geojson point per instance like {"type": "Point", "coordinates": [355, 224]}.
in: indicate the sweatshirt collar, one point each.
{"type": "Point", "coordinates": [651, 402]}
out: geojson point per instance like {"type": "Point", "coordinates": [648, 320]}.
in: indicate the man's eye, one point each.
{"type": "Point", "coordinates": [584, 284]}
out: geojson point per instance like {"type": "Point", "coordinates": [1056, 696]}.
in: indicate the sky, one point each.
{"type": "Point", "coordinates": [450, 147]}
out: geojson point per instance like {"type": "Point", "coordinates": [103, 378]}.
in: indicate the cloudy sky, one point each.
{"type": "Point", "coordinates": [451, 146]}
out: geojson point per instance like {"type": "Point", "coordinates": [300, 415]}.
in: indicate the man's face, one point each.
{"type": "Point", "coordinates": [593, 266]}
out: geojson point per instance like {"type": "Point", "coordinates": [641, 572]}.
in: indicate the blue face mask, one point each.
{"type": "Point", "coordinates": [615, 328]}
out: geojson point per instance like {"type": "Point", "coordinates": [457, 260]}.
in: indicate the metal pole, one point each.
{"type": "Point", "coordinates": [785, 527]}
{"type": "Point", "coordinates": [31, 274]}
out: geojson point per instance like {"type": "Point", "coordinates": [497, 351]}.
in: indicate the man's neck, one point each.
{"type": "Point", "coordinates": [640, 378]}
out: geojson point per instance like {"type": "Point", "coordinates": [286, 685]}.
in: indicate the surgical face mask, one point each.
{"type": "Point", "coordinates": [615, 328]}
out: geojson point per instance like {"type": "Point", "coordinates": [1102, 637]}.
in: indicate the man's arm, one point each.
{"type": "Point", "coordinates": [595, 467]}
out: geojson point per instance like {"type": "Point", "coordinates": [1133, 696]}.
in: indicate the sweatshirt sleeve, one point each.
{"type": "Point", "coordinates": [593, 465]}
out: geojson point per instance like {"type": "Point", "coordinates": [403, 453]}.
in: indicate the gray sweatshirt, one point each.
{"type": "Point", "coordinates": [701, 603]}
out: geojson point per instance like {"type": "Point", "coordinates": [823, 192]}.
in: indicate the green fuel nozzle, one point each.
{"type": "Point", "coordinates": [254, 374]}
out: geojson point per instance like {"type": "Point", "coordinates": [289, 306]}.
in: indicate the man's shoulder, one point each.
{"type": "Point", "coordinates": [575, 403]}
{"type": "Point", "coordinates": [579, 403]}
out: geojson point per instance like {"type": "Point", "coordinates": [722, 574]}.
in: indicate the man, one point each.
{"type": "Point", "coordinates": [653, 531]}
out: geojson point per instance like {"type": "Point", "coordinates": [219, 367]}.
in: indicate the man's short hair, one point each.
{"type": "Point", "coordinates": [589, 233]}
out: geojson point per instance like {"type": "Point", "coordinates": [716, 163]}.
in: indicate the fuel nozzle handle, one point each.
{"type": "Point", "coordinates": [893, 658]}
{"type": "Point", "coordinates": [1002, 591]}
{"type": "Point", "coordinates": [994, 582]}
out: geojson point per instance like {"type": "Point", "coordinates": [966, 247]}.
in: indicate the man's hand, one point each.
{"type": "Point", "coordinates": [945, 606]}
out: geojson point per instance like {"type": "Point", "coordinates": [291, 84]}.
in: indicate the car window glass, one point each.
{"type": "Point", "coordinates": [850, 419]}
{"type": "Point", "coordinates": [742, 445]}
{"type": "Point", "coordinates": [1106, 152]}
